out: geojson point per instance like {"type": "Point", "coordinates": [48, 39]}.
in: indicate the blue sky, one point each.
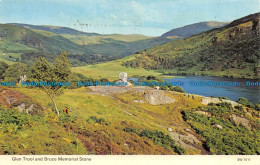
{"type": "Point", "coordinates": [148, 17]}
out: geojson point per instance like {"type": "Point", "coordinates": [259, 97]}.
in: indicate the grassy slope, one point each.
{"type": "Point", "coordinates": [87, 40]}
{"type": "Point", "coordinates": [113, 110]}
{"type": "Point", "coordinates": [111, 70]}
{"type": "Point", "coordinates": [48, 135]}
{"type": "Point", "coordinates": [85, 49]}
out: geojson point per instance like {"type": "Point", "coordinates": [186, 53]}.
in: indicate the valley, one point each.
{"type": "Point", "coordinates": [130, 120]}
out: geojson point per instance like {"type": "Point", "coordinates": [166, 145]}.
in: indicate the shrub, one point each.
{"type": "Point", "coordinates": [245, 102]}
{"type": "Point", "coordinates": [210, 104]}
{"type": "Point", "coordinates": [257, 107]}
{"type": "Point", "coordinates": [239, 107]}
{"type": "Point", "coordinates": [164, 87]}
{"type": "Point", "coordinates": [94, 119]}
{"type": "Point", "coordinates": [222, 97]}
{"type": "Point", "coordinates": [150, 77]}
{"type": "Point", "coordinates": [128, 129]}
{"type": "Point", "coordinates": [177, 89]}
{"type": "Point", "coordinates": [104, 80]}
{"type": "Point", "coordinates": [225, 105]}
{"type": "Point", "coordinates": [231, 140]}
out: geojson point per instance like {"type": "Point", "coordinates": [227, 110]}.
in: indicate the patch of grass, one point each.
{"type": "Point", "coordinates": [106, 120]}
{"type": "Point", "coordinates": [111, 70]}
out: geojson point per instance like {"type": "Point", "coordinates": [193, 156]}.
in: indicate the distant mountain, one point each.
{"type": "Point", "coordinates": [25, 43]}
{"type": "Point", "coordinates": [56, 29]}
{"type": "Point", "coordinates": [232, 51]}
{"type": "Point", "coordinates": [189, 30]}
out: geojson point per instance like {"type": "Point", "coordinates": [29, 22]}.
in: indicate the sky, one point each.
{"type": "Point", "coordinates": [147, 17]}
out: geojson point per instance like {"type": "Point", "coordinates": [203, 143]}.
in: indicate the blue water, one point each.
{"type": "Point", "coordinates": [232, 88]}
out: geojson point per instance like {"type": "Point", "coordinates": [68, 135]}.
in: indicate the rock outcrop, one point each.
{"type": "Point", "coordinates": [241, 121]}
{"type": "Point", "coordinates": [188, 141]}
{"type": "Point", "coordinates": [207, 100]}
{"type": "Point", "coordinates": [158, 97]}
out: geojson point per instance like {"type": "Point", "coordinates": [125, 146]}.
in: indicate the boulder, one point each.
{"type": "Point", "coordinates": [156, 97]}
{"type": "Point", "coordinates": [241, 121]}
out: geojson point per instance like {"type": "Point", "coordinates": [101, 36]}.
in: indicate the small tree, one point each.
{"type": "Point", "coordinates": [58, 72]}
{"type": "Point", "coordinates": [3, 68]}
{"type": "Point", "coordinates": [15, 71]}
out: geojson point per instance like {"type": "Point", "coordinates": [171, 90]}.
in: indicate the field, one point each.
{"type": "Point", "coordinates": [88, 40]}
{"type": "Point", "coordinates": [111, 70]}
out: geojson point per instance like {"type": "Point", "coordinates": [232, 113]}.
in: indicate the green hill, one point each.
{"type": "Point", "coordinates": [189, 30]}
{"type": "Point", "coordinates": [25, 43]}
{"type": "Point", "coordinates": [29, 38]}
{"type": "Point", "coordinates": [55, 29]}
{"type": "Point", "coordinates": [232, 50]}
{"type": "Point", "coordinates": [29, 43]}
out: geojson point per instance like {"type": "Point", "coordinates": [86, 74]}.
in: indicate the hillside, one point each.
{"type": "Point", "coordinates": [232, 50]}
{"type": "Point", "coordinates": [56, 29]}
{"type": "Point", "coordinates": [123, 120]}
{"type": "Point", "coordinates": [189, 30]}
{"type": "Point", "coordinates": [25, 45]}
{"type": "Point", "coordinates": [29, 43]}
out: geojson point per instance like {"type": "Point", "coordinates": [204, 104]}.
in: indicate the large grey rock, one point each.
{"type": "Point", "coordinates": [188, 141]}
{"type": "Point", "coordinates": [123, 76]}
{"type": "Point", "coordinates": [241, 121]}
{"type": "Point", "coordinates": [156, 97]}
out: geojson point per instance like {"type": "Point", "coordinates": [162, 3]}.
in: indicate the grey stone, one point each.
{"type": "Point", "coordinates": [29, 109]}
{"type": "Point", "coordinates": [21, 107]}
{"type": "Point", "coordinates": [158, 97]}
{"type": "Point", "coordinates": [218, 126]}
{"type": "Point", "coordinates": [241, 121]}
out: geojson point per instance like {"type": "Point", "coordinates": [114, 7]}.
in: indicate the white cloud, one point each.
{"type": "Point", "coordinates": [145, 12]}
{"type": "Point", "coordinates": [113, 16]}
